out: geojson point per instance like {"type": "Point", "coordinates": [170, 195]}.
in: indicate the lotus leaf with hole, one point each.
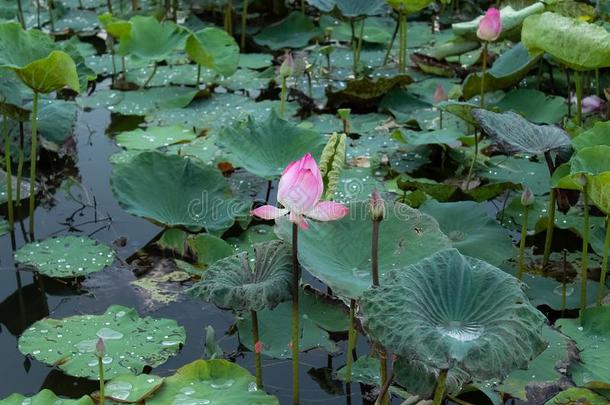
{"type": "Point", "coordinates": [241, 285]}
{"type": "Point", "coordinates": [132, 343]}
{"type": "Point", "coordinates": [65, 256]}
{"type": "Point", "coordinates": [339, 252]}
{"type": "Point", "coordinates": [576, 44]}
{"type": "Point", "coordinates": [454, 312]}
{"type": "Point", "coordinates": [175, 191]}
{"type": "Point", "coordinates": [44, 397]}
{"type": "Point", "coordinates": [471, 230]}
{"type": "Point", "coordinates": [214, 49]}
{"type": "Point", "coordinates": [211, 381]}
{"type": "Point", "coordinates": [516, 134]}
{"type": "Point", "coordinates": [266, 147]}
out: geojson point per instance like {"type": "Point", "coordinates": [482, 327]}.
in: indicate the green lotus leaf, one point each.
{"type": "Point", "coordinates": [154, 137]}
{"type": "Point", "coordinates": [319, 316]}
{"type": "Point", "coordinates": [211, 381]}
{"type": "Point", "coordinates": [365, 370]}
{"type": "Point", "coordinates": [516, 134]}
{"type": "Point", "coordinates": [114, 26]}
{"type": "Point", "coordinates": [25, 188]}
{"type": "Point", "coordinates": [193, 195]}
{"type": "Point", "coordinates": [511, 22]}
{"type": "Point", "coordinates": [420, 379]}
{"type": "Point", "coordinates": [56, 119]}
{"type": "Point", "coordinates": [409, 6]}
{"type": "Point", "coordinates": [366, 90]}
{"type": "Point", "coordinates": [294, 31]}
{"type": "Point", "coordinates": [132, 343]}
{"type": "Point", "coordinates": [543, 369]}
{"type": "Point", "coordinates": [577, 396]}
{"type": "Point", "coordinates": [339, 252]}
{"type": "Point", "coordinates": [377, 30]}
{"type": "Point", "coordinates": [518, 172]}
{"type": "Point", "coordinates": [592, 161]}
{"type": "Point", "coordinates": [36, 60]}
{"type": "Point", "coordinates": [446, 136]}
{"type": "Point", "coordinates": [471, 230]}
{"type": "Point", "coordinates": [131, 388]}
{"type": "Point", "coordinates": [351, 8]}
{"type": "Point", "coordinates": [214, 49]}
{"type": "Point", "coordinates": [460, 109]}
{"type": "Point", "coordinates": [255, 60]}
{"type": "Point", "coordinates": [235, 283]}
{"type": "Point", "coordinates": [599, 191]}
{"type": "Point", "coordinates": [591, 335]}
{"type": "Point", "coordinates": [252, 235]}
{"type": "Point", "coordinates": [577, 44]}
{"type": "Point", "coordinates": [452, 311]}
{"type": "Point", "coordinates": [66, 256]}
{"type": "Point", "coordinates": [266, 147]}
{"type": "Point", "coordinates": [506, 71]}
{"type": "Point", "coordinates": [167, 35]}
{"type": "Point", "coordinates": [209, 248]}
{"type": "Point", "coordinates": [12, 97]}
{"type": "Point", "coordinates": [599, 134]}
{"type": "Point", "coordinates": [534, 105]}
{"type": "Point", "coordinates": [402, 104]}
{"type": "Point", "coordinates": [44, 397]}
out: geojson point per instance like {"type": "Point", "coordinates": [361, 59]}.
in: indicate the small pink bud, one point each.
{"type": "Point", "coordinates": [258, 347]}
{"type": "Point", "coordinates": [376, 206]}
{"type": "Point", "coordinates": [490, 26]}
{"type": "Point", "coordinates": [287, 67]}
{"type": "Point", "coordinates": [100, 347]}
{"type": "Point", "coordinates": [527, 197]}
{"type": "Point", "coordinates": [440, 95]}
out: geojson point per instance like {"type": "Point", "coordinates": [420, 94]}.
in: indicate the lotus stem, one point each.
{"type": "Point", "coordinates": [309, 85]}
{"type": "Point", "coordinates": [482, 104]}
{"type": "Point", "coordinates": [604, 270]}
{"type": "Point", "coordinates": [198, 76]}
{"type": "Point", "coordinates": [9, 176]}
{"type": "Point", "coordinates": [473, 161]}
{"type": "Point", "coordinates": [80, 5]}
{"type": "Point", "coordinates": [440, 113]}
{"type": "Point", "coordinates": [20, 14]}
{"type": "Point", "coordinates": [578, 85]}
{"type": "Point", "coordinates": [598, 85]}
{"type": "Point", "coordinates": [550, 227]}
{"type": "Point", "coordinates": [359, 47]}
{"type": "Point", "coordinates": [402, 53]}
{"type": "Point", "coordinates": [244, 21]}
{"type": "Point", "coordinates": [563, 283]}
{"type": "Point", "coordinates": [585, 252]}
{"type": "Point", "coordinates": [296, 276]}
{"type": "Point", "coordinates": [283, 96]}
{"type": "Point", "coordinates": [303, 6]}
{"type": "Point", "coordinates": [111, 46]}
{"type": "Point", "coordinates": [33, 158]}
{"type": "Point", "coordinates": [439, 391]}
{"type": "Point", "coordinates": [20, 165]}
{"type": "Point", "coordinates": [353, 44]}
{"type": "Point", "coordinates": [384, 390]}
{"type": "Point", "coordinates": [521, 270]}
{"type": "Point", "coordinates": [175, 7]}
{"type": "Point", "coordinates": [100, 365]}
{"type": "Point", "coordinates": [38, 14]}
{"type": "Point", "coordinates": [135, 5]}
{"type": "Point", "coordinates": [109, 4]}
{"type": "Point", "coordinates": [386, 58]}
{"type": "Point", "coordinates": [383, 371]}
{"type": "Point", "coordinates": [151, 75]}
{"type": "Point", "coordinates": [351, 341]}
{"type": "Point", "coordinates": [50, 5]}
{"type": "Point", "coordinates": [257, 353]}
{"type": "Point", "coordinates": [123, 66]}
{"type": "Point", "coordinates": [228, 18]}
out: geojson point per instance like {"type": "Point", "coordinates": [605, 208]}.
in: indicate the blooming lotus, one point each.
{"type": "Point", "coordinates": [299, 192]}
{"type": "Point", "coordinates": [490, 26]}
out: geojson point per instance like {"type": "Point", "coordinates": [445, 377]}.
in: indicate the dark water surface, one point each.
{"type": "Point", "coordinates": [22, 300]}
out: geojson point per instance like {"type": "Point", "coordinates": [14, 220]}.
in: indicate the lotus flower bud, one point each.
{"type": "Point", "coordinates": [490, 26]}
{"type": "Point", "coordinates": [287, 67]}
{"type": "Point", "coordinates": [440, 95]}
{"type": "Point", "coordinates": [581, 179]}
{"type": "Point", "coordinates": [100, 348]}
{"type": "Point", "coordinates": [527, 197]}
{"type": "Point", "coordinates": [377, 206]}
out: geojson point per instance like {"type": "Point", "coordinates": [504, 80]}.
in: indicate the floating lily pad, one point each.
{"type": "Point", "coordinates": [132, 388]}
{"type": "Point", "coordinates": [211, 381]}
{"type": "Point", "coordinates": [154, 137]}
{"type": "Point", "coordinates": [44, 397]}
{"type": "Point", "coordinates": [193, 195]}
{"type": "Point", "coordinates": [267, 146]}
{"type": "Point", "coordinates": [294, 31]}
{"type": "Point", "coordinates": [339, 252]}
{"type": "Point", "coordinates": [235, 283]}
{"type": "Point", "coordinates": [132, 343]}
{"type": "Point", "coordinates": [318, 317]}
{"type": "Point", "coordinates": [471, 230]}
{"type": "Point", "coordinates": [485, 328]}
{"type": "Point", "coordinates": [66, 256]}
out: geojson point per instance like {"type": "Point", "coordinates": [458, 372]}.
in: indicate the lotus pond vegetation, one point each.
{"type": "Point", "coordinates": [294, 202]}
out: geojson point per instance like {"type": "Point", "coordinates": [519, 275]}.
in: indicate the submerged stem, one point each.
{"type": "Point", "coordinates": [520, 271]}
{"type": "Point", "coordinates": [33, 158]}
{"type": "Point", "coordinates": [602, 276]}
{"type": "Point", "coordinates": [257, 354]}
{"type": "Point", "coordinates": [439, 391]}
{"type": "Point", "coordinates": [585, 252]}
{"type": "Point", "coordinates": [296, 276]}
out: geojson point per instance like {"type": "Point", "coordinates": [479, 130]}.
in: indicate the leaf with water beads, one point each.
{"type": "Point", "coordinates": [131, 388]}
{"type": "Point", "coordinates": [132, 343]}
{"type": "Point", "coordinates": [65, 256]}
{"type": "Point", "coordinates": [44, 397]}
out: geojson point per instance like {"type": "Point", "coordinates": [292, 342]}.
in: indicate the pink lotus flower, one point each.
{"type": "Point", "coordinates": [440, 94]}
{"type": "Point", "coordinates": [299, 192]}
{"type": "Point", "coordinates": [593, 103]}
{"type": "Point", "coordinates": [490, 25]}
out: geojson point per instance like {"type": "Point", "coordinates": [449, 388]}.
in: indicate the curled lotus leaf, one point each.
{"type": "Point", "coordinates": [132, 343]}
{"type": "Point", "coordinates": [450, 311]}
{"type": "Point", "coordinates": [238, 283]}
